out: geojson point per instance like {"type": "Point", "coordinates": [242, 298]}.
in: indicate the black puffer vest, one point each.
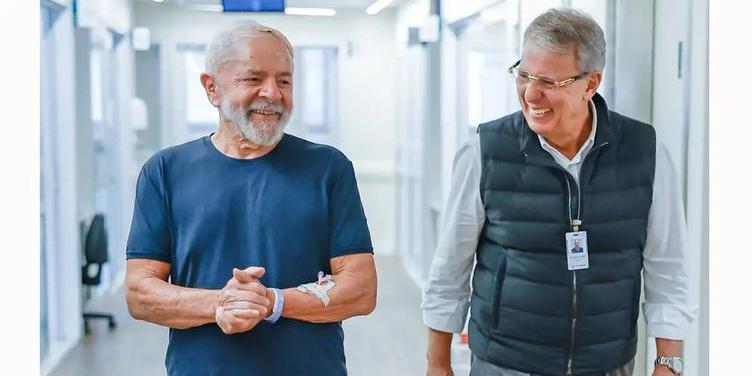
{"type": "Point", "coordinates": [528, 311]}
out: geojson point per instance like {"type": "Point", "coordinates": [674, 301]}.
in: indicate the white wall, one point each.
{"type": "Point", "coordinates": [633, 60]}
{"type": "Point", "coordinates": [99, 23]}
{"type": "Point", "coordinates": [455, 10]}
{"type": "Point", "coordinates": [114, 14]}
{"type": "Point", "coordinates": [696, 351]}
{"type": "Point", "coordinates": [71, 193]}
{"type": "Point", "coordinates": [418, 131]}
{"type": "Point", "coordinates": [680, 95]}
{"type": "Point", "coordinates": [669, 106]}
{"type": "Point", "coordinates": [648, 87]}
{"type": "Point", "coordinates": [366, 92]}
{"type": "Point", "coordinates": [126, 189]}
{"type": "Point", "coordinates": [63, 252]}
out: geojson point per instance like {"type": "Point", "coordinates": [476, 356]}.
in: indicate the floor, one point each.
{"type": "Point", "coordinates": [391, 341]}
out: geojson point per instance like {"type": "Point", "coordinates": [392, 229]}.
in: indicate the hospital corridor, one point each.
{"type": "Point", "coordinates": [386, 111]}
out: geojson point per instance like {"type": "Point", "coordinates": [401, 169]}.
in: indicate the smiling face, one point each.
{"type": "Point", "coordinates": [254, 89]}
{"type": "Point", "coordinates": [560, 113]}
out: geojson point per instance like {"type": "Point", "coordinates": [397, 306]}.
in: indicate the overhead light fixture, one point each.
{"type": "Point", "coordinates": [378, 6]}
{"type": "Point", "coordinates": [310, 11]}
{"type": "Point", "coordinates": [158, 1]}
{"type": "Point", "coordinates": [205, 8]}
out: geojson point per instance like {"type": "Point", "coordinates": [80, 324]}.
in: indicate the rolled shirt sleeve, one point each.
{"type": "Point", "coordinates": [668, 308]}
{"type": "Point", "coordinates": [446, 297]}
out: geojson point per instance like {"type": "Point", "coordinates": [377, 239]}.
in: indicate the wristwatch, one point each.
{"type": "Point", "coordinates": [674, 363]}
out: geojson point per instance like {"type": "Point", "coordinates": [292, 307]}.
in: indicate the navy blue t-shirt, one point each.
{"type": "Point", "coordinates": [289, 211]}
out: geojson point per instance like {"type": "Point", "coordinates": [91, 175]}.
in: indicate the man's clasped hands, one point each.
{"type": "Point", "coordinates": [244, 301]}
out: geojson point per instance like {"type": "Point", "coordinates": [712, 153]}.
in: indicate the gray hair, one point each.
{"type": "Point", "coordinates": [559, 29]}
{"type": "Point", "coordinates": [224, 45]}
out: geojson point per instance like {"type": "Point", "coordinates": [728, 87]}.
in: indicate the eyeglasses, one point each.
{"type": "Point", "coordinates": [546, 84]}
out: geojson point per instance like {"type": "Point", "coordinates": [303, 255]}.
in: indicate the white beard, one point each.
{"type": "Point", "coordinates": [266, 133]}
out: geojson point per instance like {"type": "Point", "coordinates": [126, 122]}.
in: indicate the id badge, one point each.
{"type": "Point", "coordinates": [577, 251]}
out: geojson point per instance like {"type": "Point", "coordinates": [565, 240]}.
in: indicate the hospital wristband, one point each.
{"type": "Point", "coordinates": [279, 303]}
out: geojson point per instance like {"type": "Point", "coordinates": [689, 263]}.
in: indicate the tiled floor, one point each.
{"type": "Point", "coordinates": [391, 341]}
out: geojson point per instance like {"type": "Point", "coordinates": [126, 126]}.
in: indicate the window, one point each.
{"type": "Point", "coordinates": [486, 91]}
{"type": "Point", "coordinates": [200, 115]}
{"type": "Point", "coordinates": [314, 90]}
{"type": "Point", "coordinates": [487, 87]}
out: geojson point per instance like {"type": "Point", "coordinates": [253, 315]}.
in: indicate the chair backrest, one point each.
{"type": "Point", "coordinates": [95, 247]}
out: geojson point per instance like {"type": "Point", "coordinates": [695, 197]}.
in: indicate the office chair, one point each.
{"type": "Point", "coordinates": [95, 253]}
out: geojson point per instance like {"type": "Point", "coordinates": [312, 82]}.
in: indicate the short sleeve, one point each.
{"type": "Point", "coordinates": [348, 227]}
{"type": "Point", "coordinates": [150, 237]}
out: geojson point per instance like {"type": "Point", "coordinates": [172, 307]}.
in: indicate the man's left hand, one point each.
{"type": "Point", "coordinates": [248, 279]}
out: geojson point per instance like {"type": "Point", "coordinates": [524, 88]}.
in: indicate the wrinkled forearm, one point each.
{"type": "Point", "coordinates": [352, 295]}
{"type": "Point", "coordinates": [162, 303]}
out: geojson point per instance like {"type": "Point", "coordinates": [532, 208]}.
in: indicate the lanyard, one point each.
{"type": "Point", "coordinates": [574, 222]}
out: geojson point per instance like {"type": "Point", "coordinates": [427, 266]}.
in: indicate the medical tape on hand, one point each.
{"type": "Point", "coordinates": [319, 288]}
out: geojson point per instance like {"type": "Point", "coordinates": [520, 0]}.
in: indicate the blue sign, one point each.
{"type": "Point", "coordinates": [253, 5]}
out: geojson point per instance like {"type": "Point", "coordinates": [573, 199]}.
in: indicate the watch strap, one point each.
{"type": "Point", "coordinates": [669, 361]}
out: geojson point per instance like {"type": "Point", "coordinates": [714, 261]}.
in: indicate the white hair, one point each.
{"type": "Point", "coordinates": [559, 29]}
{"type": "Point", "coordinates": [224, 45]}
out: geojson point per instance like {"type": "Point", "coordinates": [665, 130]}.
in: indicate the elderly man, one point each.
{"type": "Point", "coordinates": [231, 231]}
{"type": "Point", "coordinates": [564, 168]}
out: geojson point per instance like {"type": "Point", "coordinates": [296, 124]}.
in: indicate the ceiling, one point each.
{"type": "Point", "coordinates": [361, 4]}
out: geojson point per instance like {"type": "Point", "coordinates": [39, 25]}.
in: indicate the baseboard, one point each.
{"type": "Point", "coordinates": [57, 352]}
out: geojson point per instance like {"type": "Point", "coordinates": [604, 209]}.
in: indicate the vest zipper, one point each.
{"type": "Point", "coordinates": [574, 322]}
{"type": "Point", "coordinates": [574, 283]}
{"type": "Point", "coordinates": [573, 325]}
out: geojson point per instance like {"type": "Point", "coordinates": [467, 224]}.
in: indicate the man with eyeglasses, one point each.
{"type": "Point", "coordinates": [564, 170]}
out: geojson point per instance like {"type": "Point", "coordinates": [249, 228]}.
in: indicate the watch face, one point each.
{"type": "Point", "coordinates": [677, 365]}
